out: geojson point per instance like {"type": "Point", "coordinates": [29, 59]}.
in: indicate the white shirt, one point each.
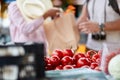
{"type": "Point", "coordinates": [97, 15]}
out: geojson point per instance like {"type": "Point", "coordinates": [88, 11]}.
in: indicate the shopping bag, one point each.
{"type": "Point", "coordinates": [110, 50]}
{"type": "Point", "coordinates": [62, 32]}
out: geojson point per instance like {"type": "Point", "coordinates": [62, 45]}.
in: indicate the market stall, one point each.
{"type": "Point", "coordinates": [64, 57]}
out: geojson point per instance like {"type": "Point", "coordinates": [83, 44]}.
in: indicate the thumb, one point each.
{"type": "Point", "coordinates": [86, 19]}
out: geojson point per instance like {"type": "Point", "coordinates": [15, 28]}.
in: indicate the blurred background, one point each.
{"type": "Point", "coordinates": [66, 5]}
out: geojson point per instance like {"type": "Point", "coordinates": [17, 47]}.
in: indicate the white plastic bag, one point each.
{"type": "Point", "coordinates": [109, 51]}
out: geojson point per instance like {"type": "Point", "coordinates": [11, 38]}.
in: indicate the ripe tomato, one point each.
{"type": "Point", "coordinates": [98, 61]}
{"type": "Point", "coordinates": [67, 60]}
{"type": "Point", "coordinates": [74, 65]}
{"type": "Point", "coordinates": [77, 56]}
{"type": "Point", "coordinates": [59, 67]}
{"type": "Point", "coordinates": [68, 52]}
{"type": "Point", "coordinates": [49, 67]}
{"type": "Point", "coordinates": [68, 67]}
{"type": "Point", "coordinates": [95, 57]}
{"type": "Point", "coordinates": [93, 65]}
{"type": "Point", "coordinates": [55, 60]}
{"type": "Point", "coordinates": [47, 60]}
{"type": "Point", "coordinates": [90, 53]}
{"type": "Point", "coordinates": [58, 52]}
{"type": "Point", "coordinates": [83, 61]}
{"type": "Point", "coordinates": [89, 60]}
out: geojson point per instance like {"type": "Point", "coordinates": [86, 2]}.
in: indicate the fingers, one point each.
{"type": "Point", "coordinates": [89, 27]}
{"type": "Point", "coordinates": [58, 14]}
{"type": "Point", "coordinates": [57, 10]}
{"type": "Point", "coordinates": [84, 27]}
{"type": "Point", "coordinates": [86, 31]}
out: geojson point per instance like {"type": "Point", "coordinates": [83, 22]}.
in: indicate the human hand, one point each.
{"type": "Point", "coordinates": [89, 27]}
{"type": "Point", "coordinates": [81, 20]}
{"type": "Point", "coordinates": [53, 12]}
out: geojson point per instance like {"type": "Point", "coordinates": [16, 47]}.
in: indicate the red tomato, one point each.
{"type": "Point", "coordinates": [58, 52]}
{"type": "Point", "coordinates": [89, 60]}
{"type": "Point", "coordinates": [67, 60]}
{"type": "Point", "coordinates": [75, 66]}
{"type": "Point", "coordinates": [60, 67]}
{"type": "Point", "coordinates": [47, 60]}
{"type": "Point", "coordinates": [68, 52]}
{"type": "Point", "coordinates": [98, 61]}
{"type": "Point", "coordinates": [77, 56]}
{"type": "Point", "coordinates": [93, 65]}
{"type": "Point", "coordinates": [83, 61]}
{"type": "Point", "coordinates": [95, 57]}
{"type": "Point", "coordinates": [68, 67]}
{"type": "Point", "coordinates": [49, 67]}
{"type": "Point", "coordinates": [90, 53]}
{"type": "Point", "coordinates": [55, 60]}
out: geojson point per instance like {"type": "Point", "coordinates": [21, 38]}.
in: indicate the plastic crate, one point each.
{"type": "Point", "coordinates": [28, 66]}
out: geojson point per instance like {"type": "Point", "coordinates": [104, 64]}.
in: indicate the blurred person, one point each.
{"type": "Point", "coordinates": [100, 19]}
{"type": "Point", "coordinates": [64, 5]}
{"type": "Point", "coordinates": [27, 18]}
{"type": "Point", "coordinates": [60, 4]}
{"type": "Point", "coordinates": [57, 3]}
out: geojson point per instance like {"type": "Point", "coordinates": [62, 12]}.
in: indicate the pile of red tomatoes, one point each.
{"type": "Point", "coordinates": [67, 59]}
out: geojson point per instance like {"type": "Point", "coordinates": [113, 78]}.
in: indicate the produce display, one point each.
{"type": "Point", "coordinates": [68, 59]}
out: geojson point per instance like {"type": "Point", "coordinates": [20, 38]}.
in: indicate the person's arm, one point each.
{"type": "Point", "coordinates": [52, 12]}
{"type": "Point", "coordinates": [93, 27]}
{"type": "Point", "coordinates": [88, 26]}
{"type": "Point", "coordinates": [84, 15]}
{"type": "Point", "coordinates": [18, 20]}
{"type": "Point", "coordinates": [112, 26]}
